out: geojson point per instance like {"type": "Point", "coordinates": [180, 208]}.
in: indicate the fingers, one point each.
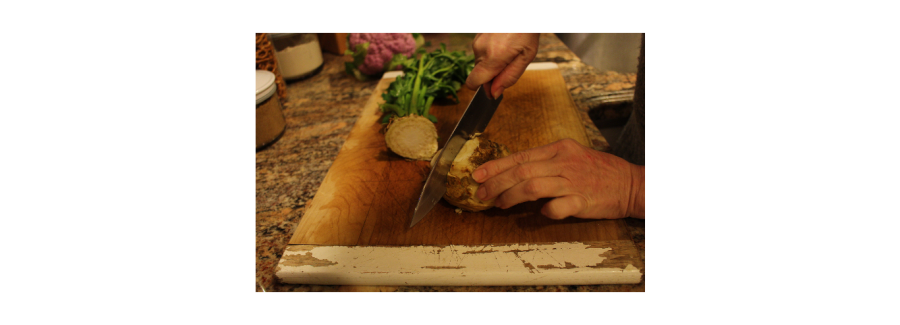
{"type": "Point", "coordinates": [512, 72]}
{"type": "Point", "coordinates": [503, 73]}
{"type": "Point", "coordinates": [532, 189]}
{"type": "Point", "coordinates": [508, 76]}
{"type": "Point", "coordinates": [485, 70]}
{"type": "Point", "coordinates": [495, 167]}
{"type": "Point", "coordinates": [562, 207]}
{"type": "Point", "coordinates": [515, 176]}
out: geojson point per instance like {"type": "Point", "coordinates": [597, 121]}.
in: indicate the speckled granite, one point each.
{"type": "Point", "coordinates": [321, 110]}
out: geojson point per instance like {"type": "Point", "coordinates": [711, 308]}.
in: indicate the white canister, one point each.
{"type": "Point", "coordinates": [299, 55]}
{"type": "Point", "coordinates": [270, 122]}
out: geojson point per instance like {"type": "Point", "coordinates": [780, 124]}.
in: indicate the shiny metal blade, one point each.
{"type": "Point", "coordinates": [474, 120]}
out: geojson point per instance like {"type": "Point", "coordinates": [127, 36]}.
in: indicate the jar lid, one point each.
{"type": "Point", "coordinates": [265, 85]}
{"type": "Point", "coordinates": [280, 34]}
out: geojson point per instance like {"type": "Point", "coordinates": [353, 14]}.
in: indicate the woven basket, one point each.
{"type": "Point", "coordinates": [265, 60]}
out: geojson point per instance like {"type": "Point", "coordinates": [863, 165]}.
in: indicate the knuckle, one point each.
{"type": "Point", "coordinates": [532, 189]}
{"type": "Point", "coordinates": [580, 204]}
{"type": "Point", "coordinates": [558, 146]}
{"type": "Point", "coordinates": [493, 170]}
{"type": "Point", "coordinates": [520, 157]}
{"type": "Point", "coordinates": [488, 188]}
{"type": "Point", "coordinates": [568, 143]}
{"type": "Point", "coordinates": [511, 79]}
{"type": "Point", "coordinates": [492, 63]}
{"type": "Point", "coordinates": [495, 188]}
{"type": "Point", "coordinates": [522, 172]}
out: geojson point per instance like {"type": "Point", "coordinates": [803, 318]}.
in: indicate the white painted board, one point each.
{"type": "Point", "coordinates": [572, 263]}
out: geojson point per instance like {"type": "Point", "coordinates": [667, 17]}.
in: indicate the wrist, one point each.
{"type": "Point", "coordinates": [636, 196]}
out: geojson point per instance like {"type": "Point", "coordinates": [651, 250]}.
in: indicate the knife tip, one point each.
{"type": "Point", "coordinates": [414, 219]}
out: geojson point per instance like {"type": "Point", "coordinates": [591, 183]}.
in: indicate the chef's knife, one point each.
{"type": "Point", "coordinates": [474, 120]}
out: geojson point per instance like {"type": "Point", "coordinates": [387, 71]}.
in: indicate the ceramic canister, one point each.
{"type": "Point", "coordinates": [269, 118]}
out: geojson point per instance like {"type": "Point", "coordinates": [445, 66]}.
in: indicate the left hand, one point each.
{"type": "Point", "coordinates": [584, 183]}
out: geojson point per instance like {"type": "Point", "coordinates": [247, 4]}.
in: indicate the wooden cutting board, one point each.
{"type": "Point", "coordinates": [356, 228]}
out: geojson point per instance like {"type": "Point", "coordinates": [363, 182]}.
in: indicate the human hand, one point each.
{"type": "Point", "coordinates": [584, 183]}
{"type": "Point", "coordinates": [501, 58]}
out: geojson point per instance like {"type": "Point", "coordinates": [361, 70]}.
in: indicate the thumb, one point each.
{"type": "Point", "coordinates": [562, 207]}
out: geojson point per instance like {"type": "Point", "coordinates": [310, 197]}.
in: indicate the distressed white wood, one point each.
{"type": "Point", "coordinates": [455, 265]}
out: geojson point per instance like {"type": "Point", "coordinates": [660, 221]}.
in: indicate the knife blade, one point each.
{"type": "Point", "coordinates": [474, 120]}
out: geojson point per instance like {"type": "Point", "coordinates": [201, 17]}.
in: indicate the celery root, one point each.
{"type": "Point", "coordinates": [461, 186]}
{"type": "Point", "coordinates": [411, 132]}
{"type": "Point", "coordinates": [412, 137]}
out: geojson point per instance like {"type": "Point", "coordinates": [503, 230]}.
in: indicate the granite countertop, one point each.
{"type": "Point", "coordinates": [321, 110]}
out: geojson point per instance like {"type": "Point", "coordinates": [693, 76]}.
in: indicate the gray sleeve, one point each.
{"type": "Point", "coordinates": [632, 143]}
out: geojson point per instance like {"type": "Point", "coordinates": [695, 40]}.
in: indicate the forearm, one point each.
{"type": "Point", "coordinates": [636, 201]}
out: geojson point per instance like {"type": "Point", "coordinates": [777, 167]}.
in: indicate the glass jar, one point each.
{"type": "Point", "coordinates": [299, 55]}
{"type": "Point", "coordinates": [270, 122]}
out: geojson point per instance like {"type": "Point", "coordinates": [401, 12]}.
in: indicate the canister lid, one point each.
{"type": "Point", "coordinates": [265, 85]}
{"type": "Point", "coordinates": [280, 34]}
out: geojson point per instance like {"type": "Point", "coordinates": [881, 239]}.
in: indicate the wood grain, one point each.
{"type": "Point", "coordinates": [369, 193]}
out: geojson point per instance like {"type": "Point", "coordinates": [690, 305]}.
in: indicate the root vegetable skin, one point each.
{"type": "Point", "coordinates": [461, 186]}
{"type": "Point", "coordinates": [412, 137]}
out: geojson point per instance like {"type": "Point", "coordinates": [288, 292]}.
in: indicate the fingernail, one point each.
{"type": "Point", "coordinates": [479, 175]}
{"type": "Point", "coordinates": [499, 92]}
{"type": "Point", "coordinates": [481, 193]}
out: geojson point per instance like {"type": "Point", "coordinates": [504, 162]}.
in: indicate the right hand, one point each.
{"type": "Point", "coordinates": [501, 58]}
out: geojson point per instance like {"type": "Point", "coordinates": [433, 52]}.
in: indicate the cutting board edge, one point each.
{"type": "Point", "coordinates": [584, 138]}
{"type": "Point", "coordinates": [561, 263]}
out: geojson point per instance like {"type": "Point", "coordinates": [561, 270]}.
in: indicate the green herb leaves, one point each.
{"type": "Point", "coordinates": [438, 74]}
{"type": "Point", "coordinates": [359, 56]}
